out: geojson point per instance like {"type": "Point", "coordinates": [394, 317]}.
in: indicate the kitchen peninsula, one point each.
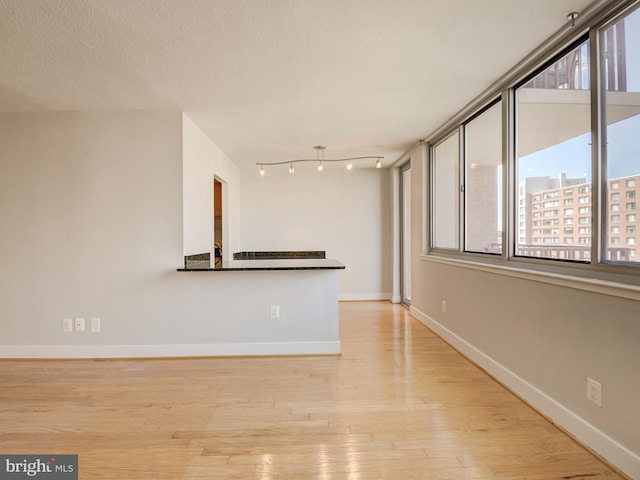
{"type": "Point", "coordinates": [291, 298]}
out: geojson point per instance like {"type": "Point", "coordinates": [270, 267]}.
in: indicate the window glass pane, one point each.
{"type": "Point", "coordinates": [621, 81]}
{"type": "Point", "coordinates": [446, 193]}
{"type": "Point", "coordinates": [553, 139]}
{"type": "Point", "coordinates": [483, 185]}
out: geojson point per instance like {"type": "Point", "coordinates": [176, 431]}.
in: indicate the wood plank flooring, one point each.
{"type": "Point", "coordinates": [398, 404]}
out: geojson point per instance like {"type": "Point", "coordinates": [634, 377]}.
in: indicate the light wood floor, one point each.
{"type": "Point", "coordinates": [398, 404]}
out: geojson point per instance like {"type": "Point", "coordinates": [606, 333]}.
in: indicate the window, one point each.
{"type": "Point", "coordinates": [620, 85]}
{"type": "Point", "coordinates": [539, 154]}
{"type": "Point", "coordinates": [545, 145]}
{"type": "Point", "coordinates": [446, 161]}
{"type": "Point", "coordinates": [483, 184]}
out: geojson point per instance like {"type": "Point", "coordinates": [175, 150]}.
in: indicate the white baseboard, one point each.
{"type": "Point", "coordinates": [176, 350]}
{"type": "Point", "coordinates": [363, 297]}
{"type": "Point", "coordinates": [619, 456]}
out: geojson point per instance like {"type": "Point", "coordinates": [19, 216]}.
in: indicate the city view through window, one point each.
{"type": "Point", "coordinates": [555, 202]}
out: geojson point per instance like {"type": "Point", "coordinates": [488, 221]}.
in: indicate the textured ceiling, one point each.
{"type": "Point", "coordinates": [268, 79]}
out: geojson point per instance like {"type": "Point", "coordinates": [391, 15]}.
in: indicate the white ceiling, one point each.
{"type": "Point", "coordinates": [269, 79]}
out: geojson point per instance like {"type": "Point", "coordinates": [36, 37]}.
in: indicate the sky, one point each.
{"type": "Point", "coordinates": [573, 156]}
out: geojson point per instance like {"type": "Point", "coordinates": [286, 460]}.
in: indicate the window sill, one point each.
{"type": "Point", "coordinates": [604, 287]}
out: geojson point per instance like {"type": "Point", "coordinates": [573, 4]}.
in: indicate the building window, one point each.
{"type": "Point", "coordinates": [483, 183]}
{"type": "Point", "coordinates": [446, 192]}
{"type": "Point", "coordinates": [631, 240]}
{"type": "Point", "coordinates": [621, 84]}
{"type": "Point", "coordinates": [538, 150]}
{"type": "Point", "coordinates": [555, 156]}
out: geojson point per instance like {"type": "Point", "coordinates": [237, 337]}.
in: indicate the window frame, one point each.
{"type": "Point", "coordinates": [597, 267]}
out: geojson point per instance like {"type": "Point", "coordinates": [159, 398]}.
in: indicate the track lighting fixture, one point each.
{"type": "Point", "coordinates": [320, 160]}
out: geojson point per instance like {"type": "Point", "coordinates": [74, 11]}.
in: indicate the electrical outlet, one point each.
{"type": "Point", "coordinates": [95, 325]}
{"type": "Point", "coordinates": [67, 325]}
{"type": "Point", "coordinates": [444, 306]}
{"type": "Point", "coordinates": [594, 391]}
{"type": "Point", "coordinates": [78, 324]}
{"type": "Point", "coordinates": [274, 311]}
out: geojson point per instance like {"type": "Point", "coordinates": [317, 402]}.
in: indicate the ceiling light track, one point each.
{"type": "Point", "coordinates": [320, 160]}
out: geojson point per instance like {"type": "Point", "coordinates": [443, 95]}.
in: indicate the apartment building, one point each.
{"type": "Point", "coordinates": [555, 218]}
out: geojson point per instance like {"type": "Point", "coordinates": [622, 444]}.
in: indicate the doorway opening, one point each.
{"type": "Point", "coordinates": [405, 233]}
{"type": "Point", "coordinates": [217, 221]}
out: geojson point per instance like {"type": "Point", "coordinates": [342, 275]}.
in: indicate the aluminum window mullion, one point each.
{"type": "Point", "coordinates": [509, 197]}
{"type": "Point", "coordinates": [462, 197]}
{"type": "Point", "coordinates": [598, 151]}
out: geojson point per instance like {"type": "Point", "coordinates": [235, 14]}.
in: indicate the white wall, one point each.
{"type": "Point", "coordinates": [202, 160]}
{"type": "Point", "coordinates": [345, 213]}
{"type": "Point", "coordinates": [92, 222]}
{"type": "Point", "coordinates": [540, 339]}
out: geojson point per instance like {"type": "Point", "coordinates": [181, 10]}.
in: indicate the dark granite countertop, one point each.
{"type": "Point", "coordinates": [205, 265]}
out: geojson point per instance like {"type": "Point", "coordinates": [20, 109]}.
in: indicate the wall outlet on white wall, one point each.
{"type": "Point", "coordinates": [594, 391]}
{"type": "Point", "coordinates": [95, 325]}
{"type": "Point", "coordinates": [78, 324]}
{"type": "Point", "coordinates": [274, 312]}
{"type": "Point", "coordinates": [444, 306]}
{"type": "Point", "coordinates": [67, 325]}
